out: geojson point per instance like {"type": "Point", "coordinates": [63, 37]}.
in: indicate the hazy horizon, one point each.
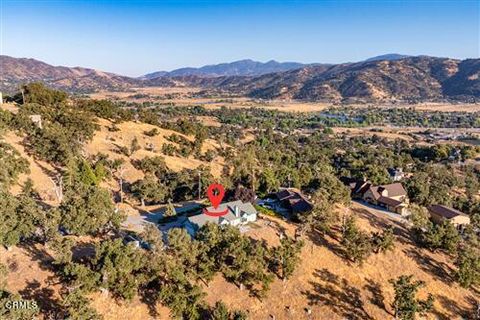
{"type": "Point", "coordinates": [135, 38]}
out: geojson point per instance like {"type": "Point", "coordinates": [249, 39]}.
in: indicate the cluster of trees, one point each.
{"type": "Point", "coordinates": [464, 249]}
{"type": "Point", "coordinates": [172, 272]}
{"type": "Point", "coordinates": [161, 184]}
{"type": "Point", "coordinates": [358, 244]}
{"type": "Point", "coordinates": [406, 306]}
{"type": "Point", "coordinates": [85, 209]}
{"type": "Point", "coordinates": [409, 117]}
{"type": "Point", "coordinates": [12, 165]}
{"type": "Point", "coordinates": [64, 128]}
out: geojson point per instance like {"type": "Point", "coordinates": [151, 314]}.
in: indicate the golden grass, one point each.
{"type": "Point", "coordinates": [106, 142]}
{"type": "Point", "coordinates": [39, 171]}
{"type": "Point", "coordinates": [324, 282]}
{"type": "Point", "coordinates": [335, 289]}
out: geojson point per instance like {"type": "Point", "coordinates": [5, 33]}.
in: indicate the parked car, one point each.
{"type": "Point", "coordinates": [136, 241]}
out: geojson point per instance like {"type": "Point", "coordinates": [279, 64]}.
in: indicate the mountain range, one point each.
{"type": "Point", "coordinates": [245, 67]}
{"type": "Point", "coordinates": [390, 77]}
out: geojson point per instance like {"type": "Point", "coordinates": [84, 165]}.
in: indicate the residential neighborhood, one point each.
{"type": "Point", "coordinates": [239, 160]}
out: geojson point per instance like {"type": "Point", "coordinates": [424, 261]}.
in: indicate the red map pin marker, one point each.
{"type": "Point", "coordinates": [215, 193]}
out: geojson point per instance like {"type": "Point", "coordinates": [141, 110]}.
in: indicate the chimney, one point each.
{"type": "Point", "coordinates": [236, 211]}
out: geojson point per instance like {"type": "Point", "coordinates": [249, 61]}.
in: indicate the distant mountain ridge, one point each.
{"type": "Point", "coordinates": [385, 78]}
{"type": "Point", "coordinates": [15, 71]}
{"type": "Point", "coordinates": [389, 57]}
{"type": "Point", "coordinates": [245, 67]}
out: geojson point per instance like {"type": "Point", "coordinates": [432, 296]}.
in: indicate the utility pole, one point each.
{"type": "Point", "coordinates": [23, 96]}
{"type": "Point", "coordinates": [199, 185]}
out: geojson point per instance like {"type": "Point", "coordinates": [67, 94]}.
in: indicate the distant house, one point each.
{"type": "Point", "coordinates": [293, 200]}
{"type": "Point", "coordinates": [440, 213]}
{"type": "Point", "coordinates": [238, 213]}
{"type": "Point", "coordinates": [392, 196]}
{"type": "Point", "coordinates": [396, 174]}
{"type": "Point", "coordinates": [37, 120]}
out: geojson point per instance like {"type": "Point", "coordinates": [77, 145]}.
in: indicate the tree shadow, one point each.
{"type": "Point", "coordinates": [40, 255]}
{"type": "Point", "coordinates": [474, 312]}
{"type": "Point", "coordinates": [83, 251]}
{"type": "Point", "coordinates": [399, 230]}
{"type": "Point", "coordinates": [336, 293]}
{"type": "Point", "coordinates": [377, 295]}
{"type": "Point", "coordinates": [149, 296]}
{"type": "Point", "coordinates": [319, 239]}
{"type": "Point", "coordinates": [439, 270]}
{"type": "Point", "coordinates": [453, 308]}
{"type": "Point", "coordinates": [43, 296]}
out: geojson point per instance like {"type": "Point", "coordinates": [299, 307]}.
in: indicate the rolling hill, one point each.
{"type": "Point", "coordinates": [15, 71]}
{"type": "Point", "coordinates": [379, 79]}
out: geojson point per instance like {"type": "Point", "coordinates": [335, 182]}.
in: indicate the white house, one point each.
{"type": "Point", "coordinates": [238, 213]}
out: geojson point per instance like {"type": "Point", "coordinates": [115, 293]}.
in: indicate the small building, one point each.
{"type": "Point", "coordinates": [396, 174]}
{"type": "Point", "coordinates": [440, 213]}
{"type": "Point", "coordinates": [238, 213]}
{"type": "Point", "coordinates": [294, 200]}
{"type": "Point", "coordinates": [392, 197]}
{"type": "Point", "coordinates": [37, 120]}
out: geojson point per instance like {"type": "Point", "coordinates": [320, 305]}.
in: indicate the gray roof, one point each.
{"type": "Point", "coordinates": [245, 208]}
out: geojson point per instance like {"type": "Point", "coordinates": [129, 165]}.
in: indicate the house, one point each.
{"type": "Point", "coordinates": [357, 187]}
{"type": "Point", "coordinates": [293, 200]}
{"type": "Point", "coordinates": [238, 213]}
{"type": "Point", "coordinates": [440, 213]}
{"type": "Point", "coordinates": [392, 197]}
{"type": "Point", "coordinates": [396, 174]}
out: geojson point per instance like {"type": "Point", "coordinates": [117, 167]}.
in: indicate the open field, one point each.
{"type": "Point", "coordinates": [183, 96]}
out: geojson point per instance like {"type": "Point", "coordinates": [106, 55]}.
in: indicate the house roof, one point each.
{"type": "Point", "coordinates": [286, 193]}
{"type": "Point", "coordinates": [393, 190]}
{"type": "Point", "coordinates": [297, 202]}
{"type": "Point", "coordinates": [389, 201]}
{"type": "Point", "coordinates": [362, 187]}
{"type": "Point", "coordinates": [445, 212]}
{"type": "Point", "coordinates": [300, 204]}
{"type": "Point", "coordinates": [245, 209]}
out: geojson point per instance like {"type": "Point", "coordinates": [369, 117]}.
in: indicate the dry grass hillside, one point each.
{"type": "Point", "coordinates": [108, 142]}
{"type": "Point", "coordinates": [324, 286]}
{"type": "Point", "coordinates": [40, 171]}
{"type": "Point", "coordinates": [333, 288]}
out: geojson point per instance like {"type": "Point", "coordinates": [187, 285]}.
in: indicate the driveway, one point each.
{"type": "Point", "coordinates": [381, 212]}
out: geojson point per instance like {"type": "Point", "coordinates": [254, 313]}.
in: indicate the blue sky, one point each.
{"type": "Point", "coordinates": [137, 37]}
